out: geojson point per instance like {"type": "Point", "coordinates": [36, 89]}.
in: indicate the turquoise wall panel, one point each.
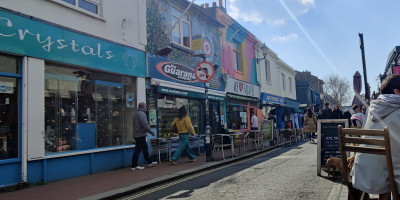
{"type": "Point", "coordinates": [29, 37]}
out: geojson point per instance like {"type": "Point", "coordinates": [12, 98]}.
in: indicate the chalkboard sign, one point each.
{"type": "Point", "coordinates": [328, 142]}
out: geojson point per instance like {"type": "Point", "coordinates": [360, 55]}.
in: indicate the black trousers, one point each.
{"type": "Point", "coordinates": [141, 145]}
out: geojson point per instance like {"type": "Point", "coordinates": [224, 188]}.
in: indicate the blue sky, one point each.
{"type": "Point", "coordinates": [321, 36]}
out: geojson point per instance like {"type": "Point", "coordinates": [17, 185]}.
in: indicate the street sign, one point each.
{"type": "Point", "coordinates": [204, 71]}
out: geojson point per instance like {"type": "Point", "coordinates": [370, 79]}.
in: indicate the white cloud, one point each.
{"type": "Point", "coordinates": [286, 38]}
{"type": "Point", "coordinates": [267, 11]}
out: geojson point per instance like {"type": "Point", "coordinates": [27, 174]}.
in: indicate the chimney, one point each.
{"type": "Point", "coordinates": [202, 5]}
{"type": "Point", "coordinates": [207, 5]}
{"type": "Point", "coordinates": [214, 4]}
{"type": "Point", "coordinates": [220, 3]}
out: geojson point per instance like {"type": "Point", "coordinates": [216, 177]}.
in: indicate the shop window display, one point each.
{"type": "Point", "coordinates": [237, 117]}
{"type": "Point", "coordinates": [168, 106]}
{"type": "Point", "coordinates": [85, 109]}
{"type": "Point", "coordinates": [9, 104]}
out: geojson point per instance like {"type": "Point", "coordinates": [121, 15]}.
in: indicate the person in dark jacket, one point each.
{"type": "Point", "coordinates": [336, 113]}
{"type": "Point", "coordinates": [326, 113]}
{"type": "Point", "coordinates": [347, 115]}
{"type": "Point", "coordinates": [140, 129]}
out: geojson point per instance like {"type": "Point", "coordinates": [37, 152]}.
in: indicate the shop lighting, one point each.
{"type": "Point", "coordinates": [264, 49]}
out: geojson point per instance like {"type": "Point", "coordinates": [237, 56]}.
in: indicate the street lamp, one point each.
{"type": "Point", "coordinates": [264, 49]}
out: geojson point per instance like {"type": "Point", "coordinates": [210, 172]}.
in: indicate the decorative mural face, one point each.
{"type": "Point", "coordinates": [238, 50]}
{"type": "Point", "coordinates": [203, 33]}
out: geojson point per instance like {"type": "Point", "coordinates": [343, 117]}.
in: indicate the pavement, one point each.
{"type": "Point", "coordinates": [120, 182]}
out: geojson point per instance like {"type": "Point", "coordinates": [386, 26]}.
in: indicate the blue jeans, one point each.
{"type": "Point", "coordinates": [184, 144]}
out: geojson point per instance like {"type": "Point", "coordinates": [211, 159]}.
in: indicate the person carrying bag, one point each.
{"type": "Point", "coordinates": [185, 127]}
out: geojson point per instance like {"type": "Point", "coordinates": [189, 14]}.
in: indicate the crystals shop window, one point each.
{"type": "Point", "coordinates": [236, 117]}
{"type": "Point", "coordinates": [86, 109]}
{"type": "Point", "coordinates": [9, 107]}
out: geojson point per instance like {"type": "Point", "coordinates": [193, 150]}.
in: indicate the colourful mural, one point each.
{"type": "Point", "coordinates": [204, 33]}
{"type": "Point", "coordinates": [233, 32]}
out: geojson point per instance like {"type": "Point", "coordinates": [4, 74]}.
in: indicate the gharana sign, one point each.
{"type": "Point", "coordinates": [177, 72]}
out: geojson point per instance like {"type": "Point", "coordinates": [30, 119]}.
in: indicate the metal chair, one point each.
{"type": "Point", "coordinates": [355, 140]}
{"type": "Point", "coordinates": [240, 140]}
{"type": "Point", "coordinates": [157, 145]}
{"type": "Point", "coordinates": [218, 141]}
{"type": "Point", "coordinates": [287, 135]}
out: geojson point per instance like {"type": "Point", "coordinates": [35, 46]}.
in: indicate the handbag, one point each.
{"type": "Point", "coordinates": [174, 128]}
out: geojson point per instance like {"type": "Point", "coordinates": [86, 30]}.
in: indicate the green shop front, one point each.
{"type": "Point", "coordinates": [173, 85]}
{"type": "Point", "coordinates": [67, 100]}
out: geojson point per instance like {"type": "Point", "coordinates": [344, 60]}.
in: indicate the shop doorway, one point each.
{"type": "Point", "coordinates": [215, 117]}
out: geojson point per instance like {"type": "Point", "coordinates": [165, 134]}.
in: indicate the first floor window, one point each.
{"type": "Point", "coordinates": [92, 6]}
{"type": "Point", "coordinates": [283, 81]}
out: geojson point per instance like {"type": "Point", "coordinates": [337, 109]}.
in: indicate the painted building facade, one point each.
{"type": "Point", "coordinates": [182, 37]}
{"type": "Point", "coordinates": [238, 61]}
{"type": "Point", "coordinates": [72, 82]}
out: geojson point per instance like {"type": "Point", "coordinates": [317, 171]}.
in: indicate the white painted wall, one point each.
{"type": "Point", "coordinates": [122, 21]}
{"type": "Point", "coordinates": [289, 72]}
{"type": "Point", "coordinates": [34, 105]}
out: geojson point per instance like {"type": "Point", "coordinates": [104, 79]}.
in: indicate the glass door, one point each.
{"type": "Point", "coordinates": [109, 113]}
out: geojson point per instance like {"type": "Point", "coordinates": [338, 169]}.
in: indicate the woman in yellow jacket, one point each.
{"type": "Point", "coordinates": [185, 127]}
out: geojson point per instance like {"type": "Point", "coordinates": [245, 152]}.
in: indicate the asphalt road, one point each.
{"type": "Point", "coordinates": [286, 173]}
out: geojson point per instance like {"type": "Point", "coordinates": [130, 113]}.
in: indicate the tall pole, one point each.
{"type": "Point", "coordinates": [367, 96]}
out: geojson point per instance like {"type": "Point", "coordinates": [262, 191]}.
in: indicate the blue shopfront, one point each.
{"type": "Point", "coordinates": [173, 85]}
{"type": "Point", "coordinates": [274, 105]}
{"type": "Point", "coordinates": [87, 88]}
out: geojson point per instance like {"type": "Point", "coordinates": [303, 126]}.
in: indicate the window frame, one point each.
{"type": "Point", "coordinates": [290, 84]}
{"type": "Point", "coordinates": [98, 3]}
{"type": "Point", "coordinates": [180, 23]}
{"type": "Point", "coordinates": [267, 71]}
{"type": "Point", "coordinates": [283, 84]}
{"type": "Point", "coordinates": [236, 51]}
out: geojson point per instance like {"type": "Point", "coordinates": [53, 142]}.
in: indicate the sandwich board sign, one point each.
{"type": "Point", "coordinates": [328, 141]}
{"type": "Point", "coordinates": [204, 71]}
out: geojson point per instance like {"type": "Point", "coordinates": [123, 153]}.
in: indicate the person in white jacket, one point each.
{"type": "Point", "coordinates": [369, 172]}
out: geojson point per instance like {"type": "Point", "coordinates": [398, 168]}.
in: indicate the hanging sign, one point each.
{"type": "Point", "coordinates": [204, 71]}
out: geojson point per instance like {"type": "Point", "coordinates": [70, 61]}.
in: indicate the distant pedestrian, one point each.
{"type": "Point", "coordinates": [347, 115]}
{"type": "Point", "coordinates": [358, 117]}
{"type": "Point", "coordinates": [319, 116]}
{"type": "Point", "coordinates": [310, 124]}
{"type": "Point", "coordinates": [140, 129]}
{"type": "Point", "coordinates": [185, 127]}
{"type": "Point", "coordinates": [336, 113]}
{"type": "Point", "coordinates": [254, 122]}
{"type": "Point", "coordinates": [326, 113]}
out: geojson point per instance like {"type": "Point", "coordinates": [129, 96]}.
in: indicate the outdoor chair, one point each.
{"type": "Point", "coordinates": [240, 140]}
{"type": "Point", "coordinates": [219, 141]}
{"type": "Point", "coordinates": [287, 135]}
{"type": "Point", "coordinates": [157, 145]}
{"type": "Point", "coordinates": [300, 133]}
{"type": "Point", "coordinates": [253, 139]}
{"type": "Point", "coordinates": [355, 140]}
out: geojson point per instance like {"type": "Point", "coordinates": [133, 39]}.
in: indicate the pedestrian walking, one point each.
{"type": "Point", "coordinates": [254, 122]}
{"type": "Point", "coordinates": [185, 127]}
{"type": "Point", "coordinates": [336, 113]}
{"type": "Point", "coordinates": [140, 129]}
{"type": "Point", "coordinates": [347, 115]}
{"type": "Point", "coordinates": [326, 113]}
{"type": "Point", "coordinates": [310, 124]}
{"type": "Point", "coordinates": [358, 117]}
{"type": "Point", "coordinates": [369, 172]}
